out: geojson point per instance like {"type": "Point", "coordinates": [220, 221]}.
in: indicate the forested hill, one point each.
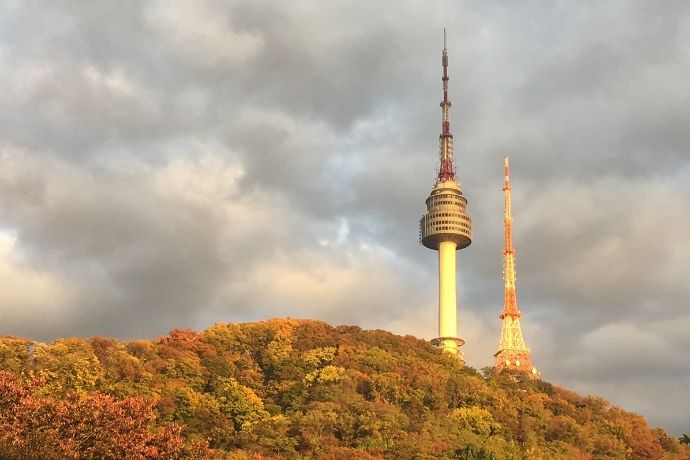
{"type": "Point", "coordinates": [294, 389]}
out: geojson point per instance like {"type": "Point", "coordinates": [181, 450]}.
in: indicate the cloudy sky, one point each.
{"type": "Point", "coordinates": [174, 164]}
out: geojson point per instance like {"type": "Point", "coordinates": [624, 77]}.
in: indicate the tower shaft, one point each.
{"type": "Point", "coordinates": [447, 300]}
{"type": "Point", "coordinates": [512, 352]}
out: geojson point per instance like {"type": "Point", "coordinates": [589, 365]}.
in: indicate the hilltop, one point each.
{"type": "Point", "coordinates": [294, 389]}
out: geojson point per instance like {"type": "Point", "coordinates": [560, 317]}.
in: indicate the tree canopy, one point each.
{"type": "Point", "coordinates": [288, 388]}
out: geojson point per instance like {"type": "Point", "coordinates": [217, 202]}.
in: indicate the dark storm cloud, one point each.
{"type": "Point", "coordinates": [172, 164]}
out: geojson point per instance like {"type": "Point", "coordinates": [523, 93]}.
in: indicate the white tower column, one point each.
{"type": "Point", "coordinates": [447, 300]}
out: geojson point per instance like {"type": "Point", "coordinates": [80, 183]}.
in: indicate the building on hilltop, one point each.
{"type": "Point", "coordinates": [512, 352]}
{"type": "Point", "coordinates": [446, 226]}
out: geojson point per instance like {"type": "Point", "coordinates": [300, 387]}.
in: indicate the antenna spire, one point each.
{"type": "Point", "coordinates": [510, 301]}
{"type": "Point", "coordinates": [446, 170]}
{"type": "Point", "coordinates": [506, 173]}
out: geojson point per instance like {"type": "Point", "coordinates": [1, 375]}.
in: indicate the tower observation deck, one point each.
{"type": "Point", "coordinates": [512, 352]}
{"type": "Point", "coordinates": [446, 226]}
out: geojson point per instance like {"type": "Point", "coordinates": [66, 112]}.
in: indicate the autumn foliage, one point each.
{"type": "Point", "coordinates": [294, 389]}
{"type": "Point", "coordinates": [93, 426]}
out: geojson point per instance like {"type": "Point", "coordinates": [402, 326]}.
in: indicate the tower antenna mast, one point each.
{"type": "Point", "coordinates": [446, 170]}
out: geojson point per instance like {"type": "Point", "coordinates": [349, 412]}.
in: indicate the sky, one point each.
{"type": "Point", "coordinates": [173, 164]}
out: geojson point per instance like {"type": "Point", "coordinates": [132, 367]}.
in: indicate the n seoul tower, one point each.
{"type": "Point", "coordinates": [446, 226]}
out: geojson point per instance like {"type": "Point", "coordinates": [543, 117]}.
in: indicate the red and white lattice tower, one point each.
{"type": "Point", "coordinates": [512, 352]}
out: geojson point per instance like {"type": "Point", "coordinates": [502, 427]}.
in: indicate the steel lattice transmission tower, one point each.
{"type": "Point", "coordinates": [446, 226]}
{"type": "Point", "coordinates": [512, 352]}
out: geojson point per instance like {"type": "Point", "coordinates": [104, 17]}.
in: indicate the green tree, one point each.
{"type": "Point", "coordinates": [240, 403]}
{"type": "Point", "coordinates": [67, 365]}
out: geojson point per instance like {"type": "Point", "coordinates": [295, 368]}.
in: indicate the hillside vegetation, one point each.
{"type": "Point", "coordinates": [294, 389]}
